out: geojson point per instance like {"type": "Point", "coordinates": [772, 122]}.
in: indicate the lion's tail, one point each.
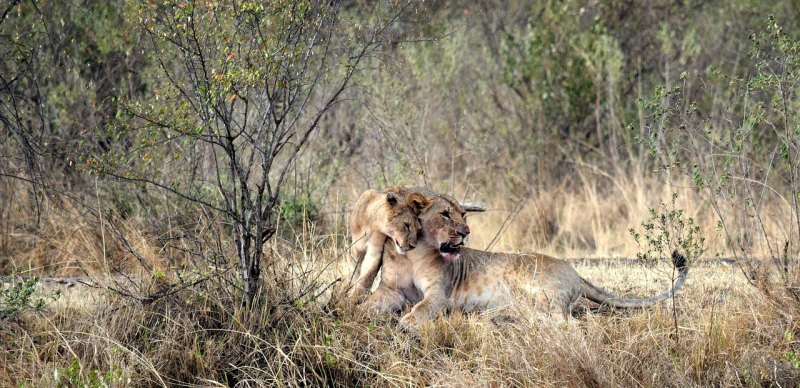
{"type": "Point", "coordinates": [595, 294]}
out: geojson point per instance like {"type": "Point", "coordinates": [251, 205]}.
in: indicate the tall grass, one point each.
{"type": "Point", "coordinates": [730, 333]}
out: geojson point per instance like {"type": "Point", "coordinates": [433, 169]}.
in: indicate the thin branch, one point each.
{"type": "Point", "coordinates": [169, 189]}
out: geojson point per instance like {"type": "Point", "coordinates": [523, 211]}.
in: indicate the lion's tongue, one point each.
{"type": "Point", "coordinates": [450, 256]}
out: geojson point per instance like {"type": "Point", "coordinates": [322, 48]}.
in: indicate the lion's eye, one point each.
{"type": "Point", "coordinates": [407, 226]}
{"type": "Point", "coordinates": [446, 215]}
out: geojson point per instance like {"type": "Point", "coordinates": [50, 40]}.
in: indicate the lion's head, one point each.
{"type": "Point", "coordinates": [444, 226]}
{"type": "Point", "coordinates": [403, 225]}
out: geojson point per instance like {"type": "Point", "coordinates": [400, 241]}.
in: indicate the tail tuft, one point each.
{"type": "Point", "coordinates": [597, 295]}
{"type": "Point", "coordinates": [680, 261]}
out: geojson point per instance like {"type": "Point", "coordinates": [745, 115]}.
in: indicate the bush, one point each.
{"type": "Point", "coordinates": [19, 297]}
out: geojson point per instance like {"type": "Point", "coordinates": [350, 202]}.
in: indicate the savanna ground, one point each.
{"type": "Point", "coordinates": [189, 168]}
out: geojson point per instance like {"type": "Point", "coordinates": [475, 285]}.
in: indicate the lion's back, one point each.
{"type": "Point", "coordinates": [494, 279]}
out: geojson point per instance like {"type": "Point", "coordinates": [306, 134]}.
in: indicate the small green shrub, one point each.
{"type": "Point", "coordinates": [72, 376]}
{"type": "Point", "coordinates": [19, 297]}
{"type": "Point", "coordinates": [297, 211]}
{"type": "Point", "coordinates": [792, 355]}
{"type": "Point", "coordinates": [669, 234]}
{"type": "Point", "coordinates": [668, 229]}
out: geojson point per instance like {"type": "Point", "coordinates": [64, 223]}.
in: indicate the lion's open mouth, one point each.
{"type": "Point", "coordinates": [449, 251]}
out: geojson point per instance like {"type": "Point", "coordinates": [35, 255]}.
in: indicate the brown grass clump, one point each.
{"type": "Point", "coordinates": [591, 218]}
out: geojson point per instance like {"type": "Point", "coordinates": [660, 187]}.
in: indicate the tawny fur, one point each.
{"type": "Point", "coordinates": [388, 216]}
{"type": "Point", "coordinates": [479, 280]}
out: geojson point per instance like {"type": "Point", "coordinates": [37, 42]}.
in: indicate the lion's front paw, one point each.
{"type": "Point", "coordinates": [408, 323]}
{"type": "Point", "coordinates": [357, 295]}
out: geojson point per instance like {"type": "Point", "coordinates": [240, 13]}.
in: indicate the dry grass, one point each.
{"type": "Point", "coordinates": [729, 332]}
{"type": "Point", "coordinates": [591, 219]}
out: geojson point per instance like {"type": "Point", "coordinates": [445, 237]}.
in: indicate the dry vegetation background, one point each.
{"type": "Point", "coordinates": [574, 121]}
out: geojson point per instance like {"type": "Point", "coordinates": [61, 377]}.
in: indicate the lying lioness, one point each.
{"type": "Point", "coordinates": [440, 273]}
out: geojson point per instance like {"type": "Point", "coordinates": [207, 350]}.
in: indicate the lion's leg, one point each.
{"type": "Point", "coordinates": [564, 310]}
{"type": "Point", "coordinates": [563, 307]}
{"type": "Point", "coordinates": [434, 301]}
{"type": "Point", "coordinates": [386, 299]}
{"type": "Point", "coordinates": [553, 304]}
{"type": "Point", "coordinates": [358, 249]}
{"type": "Point", "coordinates": [567, 299]}
{"type": "Point", "coordinates": [369, 266]}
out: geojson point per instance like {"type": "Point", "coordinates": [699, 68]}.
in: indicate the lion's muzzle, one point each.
{"type": "Point", "coordinates": [402, 249]}
{"type": "Point", "coordinates": [450, 251]}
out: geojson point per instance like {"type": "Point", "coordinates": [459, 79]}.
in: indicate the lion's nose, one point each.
{"type": "Point", "coordinates": [464, 231]}
{"type": "Point", "coordinates": [411, 246]}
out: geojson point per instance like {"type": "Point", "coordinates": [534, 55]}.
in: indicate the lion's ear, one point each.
{"type": "Point", "coordinates": [391, 198]}
{"type": "Point", "coordinates": [473, 206]}
{"type": "Point", "coordinates": [418, 201]}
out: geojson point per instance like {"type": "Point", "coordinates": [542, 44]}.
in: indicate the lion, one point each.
{"type": "Point", "coordinates": [378, 217]}
{"type": "Point", "coordinates": [440, 273]}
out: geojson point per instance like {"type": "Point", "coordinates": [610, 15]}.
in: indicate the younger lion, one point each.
{"type": "Point", "coordinates": [377, 217]}
{"type": "Point", "coordinates": [440, 274]}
